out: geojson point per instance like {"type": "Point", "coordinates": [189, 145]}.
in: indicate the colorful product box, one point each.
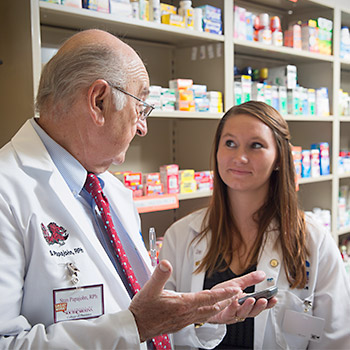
{"type": "Point", "coordinates": [178, 84]}
{"type": "Point", "coordinates": [315, 162]}
{"type": "Point", "coordinates": [188, 187]}
{"type": "Point", "coordinates": [132, 179]}
{"type": "Point", "coordinates": [186, 175]}
{"type": "Point", "coordinates": [169, 176]}
{"type": "Point", "coordinates": [151, 178]}
{"type": "Point", "coordinates": [296, 152]}
{"type": "Point", "coordinates": [153, 189]}
{"type": "Point", "coordinates": [309, 36]}
{"type": "Point", "coordinates": [282, 96]}
{"type": "Point", "coordinates": [173, 20]}
{"type": "Point", "coordinates": [305, 163]}
{"type": "Point", "coordinates": [324, 163]}
{"type": "Point", "coordinates": [204, 180]}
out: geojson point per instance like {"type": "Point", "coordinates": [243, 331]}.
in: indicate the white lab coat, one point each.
{"type": "Point", "coordinates": [33, 192]}
{"type": "Point", "coordinates": [328, 287]}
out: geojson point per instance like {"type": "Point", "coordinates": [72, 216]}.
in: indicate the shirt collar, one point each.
{"type": "Point", "coordinates": [71, 170]}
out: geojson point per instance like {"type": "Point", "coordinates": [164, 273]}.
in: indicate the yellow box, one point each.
{"type": "Point", "coordinates": [173, 20]}
{"type": "Point", "coordinates": [188, 187]}
{"type": "Point", "coordinates": [186, 175]}
{"type": "Point", "coordinates": [165, 9]}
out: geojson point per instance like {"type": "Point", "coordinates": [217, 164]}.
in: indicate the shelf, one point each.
{"type": "Point", "coordinates": [149, 204]}
{"type": "Point", "coordinates": [344, 176]}
{"type": "Point", "coordinates": [343, 230]}
{"type": "Point", "coordinates": [194, 195]}
{"type": "Point", "coordinates": [308, 180]}
{"type": "Point", "coordinates": [345, 119]}
{"type": "Point", "coordinates": [283, 53]}
{"type": "Point", "coordinates": [306, 118]}
{"type": "Point", "coordinates": [78, 19]}
{"type": "Point", "coordinates": [185, 115]}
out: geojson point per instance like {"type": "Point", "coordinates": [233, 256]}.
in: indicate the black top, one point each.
{"type": "Point", "coordinates": [241, 334]}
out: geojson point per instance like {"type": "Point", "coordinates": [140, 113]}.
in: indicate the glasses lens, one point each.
{"type": "Point", "coordinates": [146, 111]}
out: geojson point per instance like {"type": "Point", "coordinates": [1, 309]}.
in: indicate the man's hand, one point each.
{"type": "Point", "coordinates": [237, 313]}
{"type": "Point", "coordinates": [158, 311]}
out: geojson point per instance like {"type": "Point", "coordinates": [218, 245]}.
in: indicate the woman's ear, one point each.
{"type": "Point", "coordinates": [98, 91]}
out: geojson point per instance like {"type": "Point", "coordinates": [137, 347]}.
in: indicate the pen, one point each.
{"type": "Point", "coordinates": [152, 246]}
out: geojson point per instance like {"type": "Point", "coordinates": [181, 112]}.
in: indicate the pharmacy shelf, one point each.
{"type": "Point", "coordinates": [185, 115]}
{"type": "Point", "coordinates": [253, 48]}
{"type": "Point", "coordinates": [194, 195]}
{"type": "Point", "coordinates": [308, 180]}
{"type": "Point", "coordinates": [344, 119]}
{"type": "Point", "coordinates": [78, 19]}
{"type": "Point", "coordinates": [344, 176]}
{"type": "Point", "coordinates": [343, 230]}
{"type": "Point", "coordinates": [307, 118]}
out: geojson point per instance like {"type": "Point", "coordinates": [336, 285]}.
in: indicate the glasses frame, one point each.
{"type": "Point", "coordinates": [147, 108]}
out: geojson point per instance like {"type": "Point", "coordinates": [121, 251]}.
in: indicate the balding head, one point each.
{"type": "Point", "coordinates": [86, 56]}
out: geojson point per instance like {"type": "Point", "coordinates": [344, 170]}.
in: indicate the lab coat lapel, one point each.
{"type": "Point", "coordinates": [270, 252]}
{"type": "Point", "coordinates": [27, 139]}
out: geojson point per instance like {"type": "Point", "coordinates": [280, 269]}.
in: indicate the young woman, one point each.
{"type": "Point", "coordinates": [254, 222]}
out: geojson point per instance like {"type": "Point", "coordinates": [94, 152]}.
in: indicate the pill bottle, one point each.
{"type": "Point", "coordinates": [198, 19]}
{"type": "Point", "coordinates": [186, 11]}
{"type": "Point", "coordinates": [154, 11]}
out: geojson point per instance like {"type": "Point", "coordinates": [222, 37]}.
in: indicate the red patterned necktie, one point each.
{"type": "Point", "coordinates": [92, 185]}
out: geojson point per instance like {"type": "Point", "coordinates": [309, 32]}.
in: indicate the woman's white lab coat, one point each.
{"type": "Point", "coordinates": [327, 291]}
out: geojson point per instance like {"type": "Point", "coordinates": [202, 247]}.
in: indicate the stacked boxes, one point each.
{"type": "Point", "coordinates": [152, 184]}
{"type": "Point", "coordinates": [323, 151]}
{"type": "Point", "coordinates": [211, 17]}
{"type": "Point", "coordinates": [187, 182]}
{"type": "Point", "coordinates": [204, 180]}
{"type": "Point", "coordinates": [325, 28]}
{"type": "Point", "coordinates": [184, 94]}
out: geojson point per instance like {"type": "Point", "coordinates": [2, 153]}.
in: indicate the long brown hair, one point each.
{"type": "Point", "coordinates": [281, 204]}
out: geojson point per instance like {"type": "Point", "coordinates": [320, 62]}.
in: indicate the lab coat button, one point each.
{"type": "Point", "coordinates": [273, 263]}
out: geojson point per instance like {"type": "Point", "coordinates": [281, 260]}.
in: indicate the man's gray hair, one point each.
{"type": "Point", "coordinates": [70, 72]}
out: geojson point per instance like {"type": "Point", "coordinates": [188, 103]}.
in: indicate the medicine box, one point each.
{"type": "Point", "coordinates": [305, 163]}
{"type": "Point", "coordinates": [323, 149]}
{"type": "Point", "coordinates": [315, 162]}
{"type": "Point", "coordinates": [283, 76]}
{"type": "Point", "coordinates": [169, 176]}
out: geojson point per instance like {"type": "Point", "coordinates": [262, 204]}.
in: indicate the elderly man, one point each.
{"type": "Point", "coordinates": [74, 272]}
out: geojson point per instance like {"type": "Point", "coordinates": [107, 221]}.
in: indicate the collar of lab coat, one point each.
{"type": "Point", "coordinates": [27, 143]}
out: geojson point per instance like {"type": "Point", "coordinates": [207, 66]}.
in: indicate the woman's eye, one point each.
{"type": "Point", "coordinates": [257, 145]}
{"type": "Point", "coordinates": [230, 143]}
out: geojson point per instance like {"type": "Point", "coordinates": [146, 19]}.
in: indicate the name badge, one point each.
{"type": "Point", "coordinates": [304, 325]}
{"type": "Point", "coordinates": [78, 303]}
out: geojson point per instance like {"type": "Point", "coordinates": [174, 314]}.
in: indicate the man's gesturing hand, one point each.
{"type": "Point", "coordinates": [158, 311]}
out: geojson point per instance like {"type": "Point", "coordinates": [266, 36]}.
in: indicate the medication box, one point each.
{"type": "Point", "coordinates": [169, 176]}
{"type": "Point", "coordinates": [323, 149]}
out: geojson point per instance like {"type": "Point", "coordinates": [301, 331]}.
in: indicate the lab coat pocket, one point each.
{"type": "Point", "coordinates": [290, 301]}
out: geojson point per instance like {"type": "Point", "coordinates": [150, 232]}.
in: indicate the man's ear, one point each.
{"type": "Point", "coordinates": [97, 93]}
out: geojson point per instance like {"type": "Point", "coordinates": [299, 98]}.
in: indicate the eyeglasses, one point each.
{"type": "Point", "coordinates": [146, 108]}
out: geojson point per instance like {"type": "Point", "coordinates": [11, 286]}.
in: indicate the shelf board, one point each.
{"type": "Point", "coordinates": [282, 53]}
{"type": "Point", "coordinates": [185, 115]}
{"type": "Point", "coordinates": [307, 118]}
{"type": "Point", "coordinates": [345, 119]}
{"type": "Point", "coordinates": [308, 180]}
{"type": "Point", "coordinates": [343, 230]}
{"type": "Point", "coordinates": [194, 195]}
{"type": "Point", "coordinates": [78, 19]}
{"type": "Point", "coordinates": [344, 176]}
